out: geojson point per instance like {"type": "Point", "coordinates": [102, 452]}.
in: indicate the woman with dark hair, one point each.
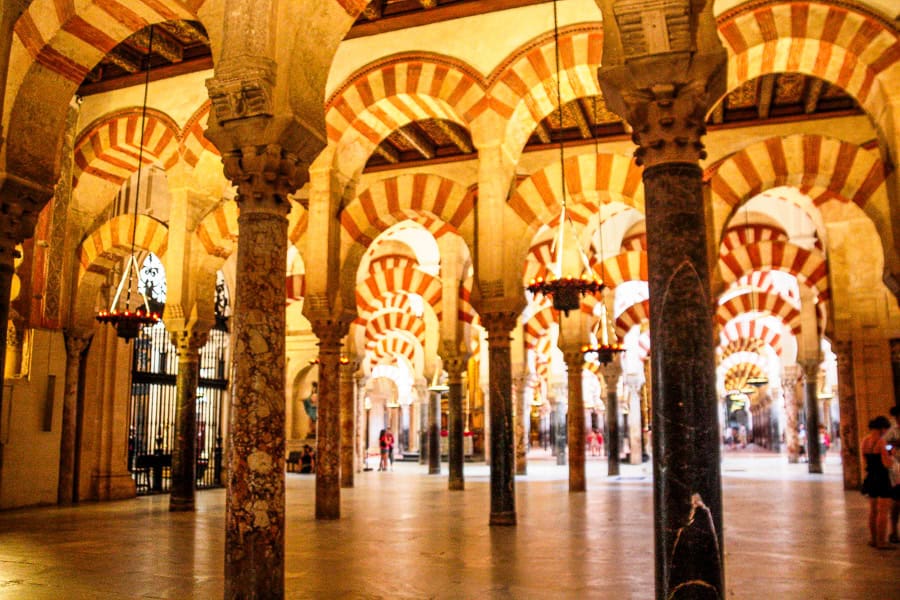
{"type": "Point", "coordinates": [877, 484]}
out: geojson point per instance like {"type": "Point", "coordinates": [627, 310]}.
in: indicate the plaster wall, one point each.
{"type": "Point", "coordinates": [30, 454]}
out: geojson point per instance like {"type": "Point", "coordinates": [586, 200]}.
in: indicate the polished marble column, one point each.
{"type": "Point", "coordinates": [499, 325]}
{"type": "Point", "coordinates": [456, 367]}
{"type": "Point", "coordinates": [75, 347]}
{"type": "Point", "coordinates": [811, 393]}
{"type": "Point", "coordinates": [790, 377]}
{"type": "Point", "coordinates": [348, 418]}
{"type": "Point", "coordinates": [576, 428]}
{"type": "Point", "coordinates": [520, 415]}
{"type": "Point", "coordinates": [184, 452]}
{"type": "Point", "coordinates": [328, 424]}
{"type": "Point", "coordinates": [611, 373]}
{"type": "Point", "coordinates": [434, 432]}
{"type": "Point", "coordinates": [850, 457]}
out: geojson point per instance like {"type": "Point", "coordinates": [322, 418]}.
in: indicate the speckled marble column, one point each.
{"type": "Point", "coordinates": [520, 414]}
{"type": "Point", "coordinates": [184, 450]}
{"type": "Point", "coordinates": [611, 373]}
{"type": "Point", "coordinates": [328, 424]}
{"type": "Point", "coordinates": [789, 379]}
{"type": "Point", "coordinates": [254, 517]}
{"type": "Point", "coordinates": [811, 396]}
{"type": "Point", "coordinates": [75, 347]}
{"type": "Point", "coordinates": [348, 418]}
{"type": "Point", "coordinates": [847, 409]}
{"type": "Point", "coordinates": [686, 470]}
{"type": "Point", "coordinates": [575, 429]}
{"type": "Point", "coordinates": [434, 433]}
{"type": "Point", "coordinates": [456, 367]}
{"type": "Point", "coordinates": [499, 325]}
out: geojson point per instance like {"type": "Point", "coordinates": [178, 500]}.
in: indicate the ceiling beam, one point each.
{"type": "Point", "coordinates": [428, 3]}
{"type": "Point", "coordinates": [584, 127]}
{"type": "Point", "coordinates": [117, 58]}
{"type": "Point", "coordinates": [765, 95]}
{"type": "Point", "coordinates": [418, 140]}
{"type": "Point", "coordinates": [543, 132]}
{"type": "Point", "coordinates": [811, 102]}
{"type": "Point", "coordinates": [718, 113]}
{"type": "Point", "coordinates": [460, 141]}
{"type": "Point", "coordinates": [163, 45]}
{"type": "Point", "coordinates": [373, 10]}
{"type": "Point", "coordinates": [388, 153]}
{"type": "Point", "coordinates": [185, 30]}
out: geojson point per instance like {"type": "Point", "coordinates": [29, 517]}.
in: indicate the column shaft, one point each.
{"type": "Point", "coordinates": [502, 445]}
{"type": "Point", "coordinates": [576, 429]}
{"type": "Point", "coordinates": [521, 414]}
{"type": "Point", "coordinates": [328, 424]}
{"type": "Point", "coordinates": [789, 380]}
{"type": "Point", "coordinates": [434, 433]}
{"type": "Point", "coordinates": [184, 451]}
{"type": "Point", "coordinates": [811, 389]}
{"type": "Point", "coordinates": [687, 477]}
{"type": "Point", "coordinates": [7, 269]}
{"type": "Point", "coordinates": [348, 418]}
{"type": "Point", "coordinates": [455, 449]}
{"type": "Point", "coordinates": [254, 519]}
{"type": "Point", "coordinates": [75, 347]}
{"type": "Point", "coordinates": [847, 407]}
{"type": "Point", "coordinates": [611, 374]}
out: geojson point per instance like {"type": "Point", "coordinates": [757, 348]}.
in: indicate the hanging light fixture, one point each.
{"type": "Point", "coordinates": [607, 349]}
{"type": "Point", "coordinates": [565, 292]}
{"type": "Point", "coordinates": [128, 322]}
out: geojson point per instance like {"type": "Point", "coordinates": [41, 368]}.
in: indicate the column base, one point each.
{"type": "Point", "coordinates": [456, 485]}
{"type": "Point", "coordinates": [503, 518]}
{"type": "Point", "coordinates": [815, 469]}
{"type": "Point", "coordinates": [113, 486]}
{"type": "Point", "coordinates": [180, 504]}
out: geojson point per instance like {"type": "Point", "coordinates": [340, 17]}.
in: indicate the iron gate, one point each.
{"type": "Point", "coordinates": [153, 391]}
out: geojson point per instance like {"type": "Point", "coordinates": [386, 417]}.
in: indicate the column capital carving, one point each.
{"type": "Point", "coordinates": [265, 176]}
{"type": "Point", "coordinates": [330, 332]}
{"type": "Point", "coordinates": [76, 343]}
{"type": "Point", "coordinates": [790, 375]}
{"type": "Point", "coordinates": [455, 366]}
{"type": "Point", "coordinates": [574, 358]}
{"type": "Point", "coordinates": [811, 368]}
{"type": "Point", "coordinates": [499, 324]}
{"type": "Point", "coordinates": [18, 217]}
{"type": "Point", "coordinates": [188, 341]}
{"type": "Point", "coordinates": [243, 89]}
{"type": "Point", "coordinates": [611, 372]}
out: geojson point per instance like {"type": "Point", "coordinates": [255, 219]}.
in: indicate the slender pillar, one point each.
{"type": "Point", "coordinates": [434, 433]}
{"type": "Point", "coordinates": [348, 417]}
{"type": "Point", "coordinates": [75, 347]}
{"type": "Point", "coordinates": [499, 325]}
{"type": "Point", "coordinates": [789, 379]}
{"type": "Point", "coordinates": [611, 373]}
{"type": "Point", "coordinates": [328, 424]}
{"type": "Point", "coordinates": [811, 389]}
{"type": "Point", "coordinates": [847, 406]}
{"type": "Point", "coordinates": [559, 428]}
{"type": "Point", "coordinates": [184, 451]}
{"type": "Point", "coordinates": [576, 429]}
{"type": "Point", "coordinates": [254, 513]}
{"type": "Point", "coordinates": [455, 366]}
{"type": "Point", "coordinates": [520, 416]}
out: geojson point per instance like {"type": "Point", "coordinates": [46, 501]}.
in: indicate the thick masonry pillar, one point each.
{"type": "Point", "coordinates": [456, 367]}
{"type": "Point", "coordinates": [328, 424]}
{"type": "Point", "coordinates": [499, 325]}
{"type": "Point", "coordinates": [576, 430]}
{"type": "Point", "coordinates": [847, 408]}
{"type": "Point", "coordinates": [184, 452]}
{"type": "Point", "coordinates": [611, 373]}
{"type": "Point", "coordinates": [348, 418]}
{"type": "Point", "coordinates": [254, 512]}
{"type": "Point", "coordinates": [75, 347]}
{"type": "Point", "coordinates": [790, 376]}
{"type": "Point", "coordinates": [811, 389]}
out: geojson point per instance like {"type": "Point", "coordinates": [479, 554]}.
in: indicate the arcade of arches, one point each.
{"type": "Point", "coordinates": [390, 186]}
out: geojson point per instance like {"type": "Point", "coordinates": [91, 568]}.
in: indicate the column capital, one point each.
{"type": "Point", "coordinates": [243, 89]}
{"type": "Point", "coordinates": [18, 217]}
{"type": "Point", "coordinates": [76, 343]}
{"type": "Point", "coordinates": [265, 175]}
{"type": "Point", "coordinates": [611, 372]}
{"type": "Point", "coordinates": [455, 366]}
{"type": "Point", "coordinates": [188, 341]}
{"type": "Point", "coordinates": [790, 375]}
{"type": "Point", "coordinates": [330, 332]}
{"type": "Point", "coordinates": [499, 324]}
{"type": "Point", "coordinates": [811, 368]}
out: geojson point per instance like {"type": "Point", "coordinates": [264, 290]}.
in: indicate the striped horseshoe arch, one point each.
{"type": "Point", "coordinates": [109, 243]}
{"type": "Point", "coordinates": [807, 265]}
{"type": "Point", "coordinates": [636, 314]}
{"type": "Point", "coordinates": [773, 304]}
{"type": "Point", "coordinates": [737, 330]}
{"type": "Point", "coordinates": [741, 235]}
{"type": "Point", "coordinates": [388, 322]}
{"type": "Point", "coordinates": [837, 43]}
{"type": "Point", "coordinates": [381, 284]}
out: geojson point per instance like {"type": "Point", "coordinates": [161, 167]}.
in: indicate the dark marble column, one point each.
{"type": "Point", "coordinates": [499, 325]}
{"type": "Point", "coordinates": [456, 367]}
{"type": "Point", "coordinates": [434, 432]}
{"type": "Point", "coordinates": [611, 373]}
{"type": "Point", "coordinates": [348, 420]}
{"type": "Point", "coordinates": [811, 392]}
{"type": "Point", "coordinates": [789, 379]}
{"type": "Point", "coordinates": [850, 459]}
{"type": "Point", "coordinates": [560, 438]}
{"type": "Point", "coordinates": [184, 451]}
{"type": "Point", "coordinates": [686, 469]}
{"type": "Point", "coordinates": [520, 416]}
{"type": "Point", "coordinates": [254, 515]}
{"type": "Point", "coordinates": [328, 424]}
{"type": "Point", "coordinates": [576, 430]}
{"type": "Point", "coordinates": [75, 347]}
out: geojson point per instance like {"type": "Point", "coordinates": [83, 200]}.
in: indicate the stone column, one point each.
{"type": "Point", "coordinates": [560, 438]}
{"type": "Point", "coordinates": [434, 433]}
{"type": "Point", "coordinates": [184, 451]}
{"type": "Point", "coordinates": [662, 80]}
{"type": "Point", "coordinates": [811, 391]}
{"type": "Point", "coordinates": [75, 347]}
{"type": "Point", "coordinates": [575, 431]}
{"type": "Point", "coordinates": [348, 418]}
{"type": "Point", "coordinates": [499, 325]}
{"type": "Point", "coordinates": [328, 424]}
{"type": "Point", "coordinates": [254, 514]}
{"type": "Point", "coordinates": [520, 414]}
{"type": "Point", "coordinates": [850, 459]}
{"type": "Point", "coordinates": [456, 367]}
{"type": "Point", "coordinates": [789, 379]}
{"type": "Point", "coordinates": [611, 373]}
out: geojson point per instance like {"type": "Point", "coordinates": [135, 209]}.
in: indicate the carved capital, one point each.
{"type": "Point", "coordinates": [188, 342]}
{"type": "Point", "coordinates": [330, 333]}
{"type": "Point", "coordinates": [790, 375]}
{"type": "Point", "coordinates": [76, 344]}
{"type": "Point", "coordinates": [499, 325]}
{"type": "Point", "coordinates": [18, 217]}
{"type": "Point", "coordinates": [265, 175]}
{"type": "Point", "coordinates": [244, 90]}
{"type": "Point", "coordinates": [611, 372]}
{"type": "Point", "coordinates": [456, 367]}
{"type": "Point", "coordinates": [811, 368]}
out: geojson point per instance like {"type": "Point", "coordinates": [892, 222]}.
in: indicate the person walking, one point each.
{"type": "Point", "coordinates": [383, 450]}
{"type": "Point", "coordinates": [892, 444]}
{"type": "Point", "coordinates": [877, 484]}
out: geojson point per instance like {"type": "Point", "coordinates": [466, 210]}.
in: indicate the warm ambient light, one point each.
{"type": "Point", "coordinates": [128, 324]}
{"type": "Point", "coordinates": [565, 292]}
{"type": "Point", "coordinates": [605, 352]}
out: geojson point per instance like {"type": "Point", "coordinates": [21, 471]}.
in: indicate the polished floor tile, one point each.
{"type": "Point", "coordinates": [403, 535]}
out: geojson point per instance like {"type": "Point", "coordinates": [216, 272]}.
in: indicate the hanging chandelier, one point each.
{"type": "Point", "coordinates": [607, 349]}
{"type": "Point", "coordinates": [128, 322]}
{"type": "Point", "coordinates": [565, 292]}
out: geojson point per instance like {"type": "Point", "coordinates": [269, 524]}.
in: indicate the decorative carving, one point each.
{"type": "Point", "coordinates": [188, 341]}
{"type": "Point", "coordinates": [653, 26]}
{"type": "Point", "coordinates": [243, 92]}
{"type": "Point", "coordinates": [265, 176]}
{"type": "Point", "coordinates": [499, 325]}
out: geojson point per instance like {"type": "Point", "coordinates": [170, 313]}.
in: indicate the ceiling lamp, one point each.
{"type": "Point", "coordinates": [606, 350]}
{"type": "Point", "coordinates": [128, 322]}
{"type": "Point", "coordinates": [565, 292]}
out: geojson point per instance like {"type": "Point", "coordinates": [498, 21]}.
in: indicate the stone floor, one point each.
{"type": "Point", "coordinates": [788, 535]}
